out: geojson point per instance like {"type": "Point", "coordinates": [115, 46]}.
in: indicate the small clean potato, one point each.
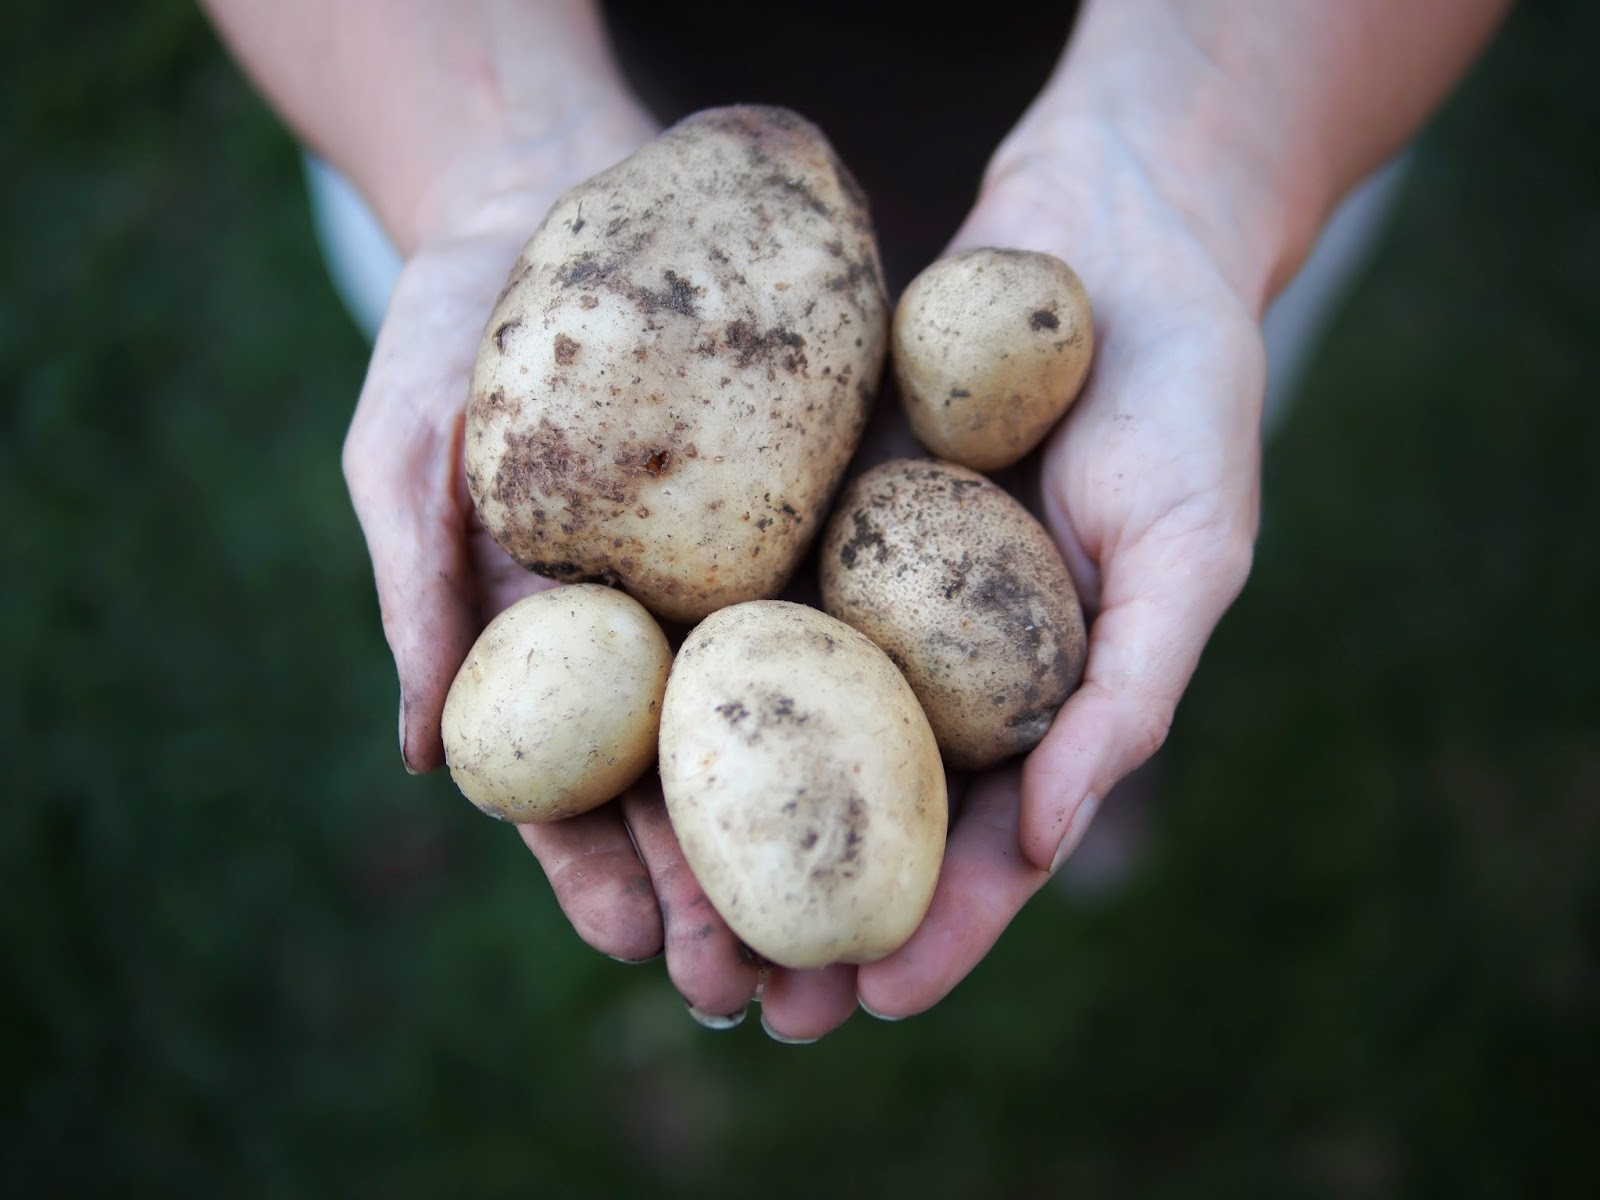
{"type": "Point", "coordinates": [968, 595]}
{"type": "Point", "coordinates": [555, 710]}
{"type": "Point", "coordinates": [990, 347]}
{"type": "Point", "coordinates": [803, 783]}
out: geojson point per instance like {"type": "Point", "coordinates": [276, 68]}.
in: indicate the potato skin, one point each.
{"type": "Point", "coordinates": [803, 783]}
{"type": "Point", "coordinates": [681, 365]}
{"type": "Point", "coordinates": [990, 348]}
{"type": "Point", "coordinates": [967, 593]}
{"type": "Point", "coordinates": [556, 708]}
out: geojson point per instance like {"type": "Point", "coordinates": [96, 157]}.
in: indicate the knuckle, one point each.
{"type": "Point", "coordinates": [1235, 555]}
{"type": "Point", "coordinates": [1224, 549]}
{"type": "Point", "coordinates": [1152, 728]}
{"type": "Point", "coordinates": [354, 458]}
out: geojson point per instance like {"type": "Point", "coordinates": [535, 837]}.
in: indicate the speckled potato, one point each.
{"type": "Point", "coordinates": [556, 709]}
{"type": "Point", "coordinates": [803, 783]}
{"type": "Point", "coordinates": [990, 348]}
{"type": "Point", "coordinates": [680, 366]}
{"type": "Point", "coordinates": [968, 595]}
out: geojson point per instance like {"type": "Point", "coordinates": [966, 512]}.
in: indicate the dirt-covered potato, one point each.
{"type": "Point", "coordinates": [990, 348]}
{"type": "Point", "coordinates": [968, 595]}
{"type": "Point", "coordinates": [803, 783]}
{"type": "Point", "coordinates": [681, 365]}
{"type": "Point", "coordinates": [555, 710]}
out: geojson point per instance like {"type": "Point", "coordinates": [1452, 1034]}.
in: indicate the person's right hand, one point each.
{"type": "Point", "coordinates": [440, 577]}
{"type": "Point", "coordinates": [617, 872]}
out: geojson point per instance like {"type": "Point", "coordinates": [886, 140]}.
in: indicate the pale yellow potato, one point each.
{"type": "Point", "coordinates": [967, 593]}
{"type": "Point", "coordinates": [990, 348]}
{"type": "Point", "coordinates": [681, 365]}
{"type": "Point", "coordinates": [803, 783]}
{"type": "Point", "coordinates": [556, 709]}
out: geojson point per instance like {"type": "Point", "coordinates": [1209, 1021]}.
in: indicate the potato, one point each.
{"type": "Point", "coordinates": [680, 367]}
{"type": "Point", "coordinates": [556, 708]}
{"type": "Point", "coordinates": [990, 348]}
{"type": "Point", "coordinates": [968, 595]}
{"type": "Point", "coordinates": [803, 783]}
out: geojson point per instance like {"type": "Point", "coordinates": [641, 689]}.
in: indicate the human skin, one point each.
{"type": "Point", "coordinates": [1182, 157]}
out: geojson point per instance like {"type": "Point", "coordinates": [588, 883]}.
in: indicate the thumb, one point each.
{"type": "Point", "coordinates": [1161, 599]}
{"type": "Point", "coordinates": [402, 464]}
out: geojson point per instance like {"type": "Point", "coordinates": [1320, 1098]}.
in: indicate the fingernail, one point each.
{"type": "Point", "coordinates": [716, 1020]}
{"type": "Point", "coordinates": [873, 1013]}
{"type": "Point", "coordinates": [1087, 807]}
{"type": "Point", "coordinates": [634, 962]}
{"type": "Point", "coordinates": [778, 1037]}
{"type": "Point", "coordinates": [404, 760]}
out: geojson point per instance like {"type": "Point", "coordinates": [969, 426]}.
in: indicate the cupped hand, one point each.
{"type": "Point", "coordinates": [617, 872]}
{"type": "Point", "coordinates": [1150, 489]}
{"type": "Point", "coordinates": [440, 577]}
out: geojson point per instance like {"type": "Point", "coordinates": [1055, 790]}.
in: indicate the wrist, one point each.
{"type": "Point", "coordinates": [455, 117]}
{"type": "Point", "coordinates": [1181, 125]}
{"type": "Point", "coordinates": [503, 176]}
{"type": "Point", "coordinates": [434, 110]}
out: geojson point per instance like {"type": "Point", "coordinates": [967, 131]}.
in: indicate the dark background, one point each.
{"type": "Point", "coordinates": [241, 953]}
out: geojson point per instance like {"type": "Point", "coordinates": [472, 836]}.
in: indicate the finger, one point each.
{"type": "Point", "coordinates": [502, 581]}
{"type": "Point", "coordinates": [1162, 597]}
{"type": "Point", "coordinates": [599, 882]}
{"type": "Point", "coordinates": [800, 1006]}
{"type": "Point", "coordinates": [984, 883]}
{"type": "Point", "coordinates": [712, 969]}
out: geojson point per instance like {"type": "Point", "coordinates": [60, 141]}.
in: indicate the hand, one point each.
{"type": "Point", "coordinates": [439, 576]}
{"type": "Point", "coordinates": [1150, 489]}
{"type": "Point", "coordinates": [1181, 159]}
{"type": "Point", "coordinates": [617, 872]}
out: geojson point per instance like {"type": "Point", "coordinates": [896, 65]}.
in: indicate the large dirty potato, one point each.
{"type": "Point", "coordinates": [555, 709]}
{"type": "Point", "coordinates": [681, 365]}
{"type": "Point", "coordinates": [803, 783]}
{"type": "Point", "coordinates": [968, 595]}
{"type": "Point", "coordinates": [990, 348]}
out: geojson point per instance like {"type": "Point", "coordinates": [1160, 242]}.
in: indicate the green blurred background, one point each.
{"type": "Point", "coordinates": [243, 954]}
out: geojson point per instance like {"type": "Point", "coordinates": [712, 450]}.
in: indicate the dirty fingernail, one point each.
{"type": "Point", "coordinates": [1087, 807]}
{"type": "Point", "coordinates": [874, 1014]}
{"type": "Point", "coordinates": [778, 1037]}
{"type": "Point", "coordinates": [404, 760]}
{"type": "Point", "coordinates": [716, 1020]}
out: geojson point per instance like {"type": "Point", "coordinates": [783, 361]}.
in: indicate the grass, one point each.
{"type": "Point", "coordinates": [243, 954]}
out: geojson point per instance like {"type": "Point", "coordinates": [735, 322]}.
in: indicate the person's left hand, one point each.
{"type": "Point", "coordinates": [1149, 487]}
